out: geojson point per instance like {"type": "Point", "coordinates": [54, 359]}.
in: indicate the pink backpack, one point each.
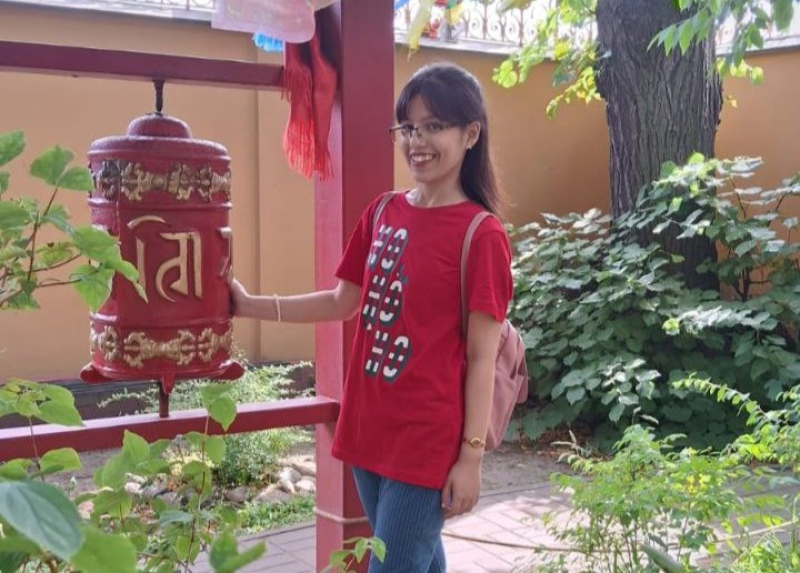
{"type": "Point", "coordinates": [510, 369]}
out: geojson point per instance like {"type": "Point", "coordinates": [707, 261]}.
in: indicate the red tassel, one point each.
{"type": "Point", "coordinates": [296, 80]}
{"type": "Point", "coordinates": [324, 94]}
{"type": "Point", "coordinates": [309, 81]}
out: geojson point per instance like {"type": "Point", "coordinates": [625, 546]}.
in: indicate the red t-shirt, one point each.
{"type": "Point", "coordinates": [403, 404]}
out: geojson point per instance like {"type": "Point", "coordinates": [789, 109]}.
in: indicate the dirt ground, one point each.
{"type": "Point", "coordinates": [513, 465]}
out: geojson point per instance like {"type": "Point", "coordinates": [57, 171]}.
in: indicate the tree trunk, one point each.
{"type": "Point", "coordinates": [658, 108]}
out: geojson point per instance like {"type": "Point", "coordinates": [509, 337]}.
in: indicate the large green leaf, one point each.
{"type": "Point", "coordinates": [15, 470]}
{"type": "Point", "coordinates": [12, 252]}
{"type": "Point", "coordinates": [225, 558]}
{"type": "Point", "coordinates": [93, 284]}
{"type": "Point", "coordinates": [175, 516]}
{"type": "Point", "coordinates": [11, 560]}
{"type": "Point", "coordinates": [53, 254]}
{"type": "Point", "coordinates": [96, 244]}
{"type": "Point", "coordinates": [117, 503]}
{"type": "Point", "coordinates": [44, 515]}
{"type": "Point", "coordinates": [113, 473]}
{"type": "Point", "coordinates": [215, 448]}
{"type": "Point", "coordinates": [223, 411]}
{"type": "Point", "coordinates": [50, 165]}
{"type": "Point", "coordinates": [616, 412]}
{"type": "Point", "coordinates": [126, 269]}
{"type": "Point", "coordinates": [104, 552]}
{"type": "Point", "coordinates": [77, 179]}
{"type": "Point", "coordinates": [58, 216]}
{"type": "Point", "coordinates": [136, 446]}
{"type": "Point", "coordinates": [14, 542]}
{"type": "Point", "coordinates": [58, 393]}
{"type": "Point", "coordinates": [662, 559]}
{"type": "Point", "coordinates": [63, 459]}
{"type": "Point", "coordinates": [11, 145]}
{"type": "Point", "coordinates": [59, 413]}
{"type": "Point", "coordinates": [211, 392]}
{"type": "Point", "coordinates": [13, 215]}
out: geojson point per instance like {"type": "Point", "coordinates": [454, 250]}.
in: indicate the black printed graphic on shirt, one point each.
{"type": "Point", "coordinates": [390, 351]}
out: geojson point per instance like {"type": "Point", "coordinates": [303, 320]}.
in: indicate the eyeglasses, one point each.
{"type": "Point", "coordinates": [427, 130]}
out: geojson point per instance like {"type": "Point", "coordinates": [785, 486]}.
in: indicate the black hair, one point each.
{"type": "Point", "coordinates": [454, 95]}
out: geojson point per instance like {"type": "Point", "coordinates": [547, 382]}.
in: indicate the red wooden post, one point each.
{"type": "Point", "coordinates": [359, 37]}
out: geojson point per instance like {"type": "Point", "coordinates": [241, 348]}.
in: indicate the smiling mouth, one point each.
{"type": "Point", "coordinates": [420, 158]}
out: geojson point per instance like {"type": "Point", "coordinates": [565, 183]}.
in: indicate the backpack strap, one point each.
{"type": "Point", "coordinates": [379, 209]}
{"type": "Point", "coordinates": [473, 226]}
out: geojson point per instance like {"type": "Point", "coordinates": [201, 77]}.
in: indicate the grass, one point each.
{"type": "Point", "coordinates": [255, 517]}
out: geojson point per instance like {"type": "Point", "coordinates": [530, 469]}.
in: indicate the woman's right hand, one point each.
{"type": "Point", "coordinates": [239, 298]}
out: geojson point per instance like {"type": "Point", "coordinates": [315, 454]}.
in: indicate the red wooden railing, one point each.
{"type": "Point", "coordinates": [358, 38]}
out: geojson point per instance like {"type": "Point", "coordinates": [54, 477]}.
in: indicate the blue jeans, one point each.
{"type": "Point", "coordinates": [408, 519]}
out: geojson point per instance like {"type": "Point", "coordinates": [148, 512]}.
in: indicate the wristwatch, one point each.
{"type": "Point", "coordinates": [475, 442]}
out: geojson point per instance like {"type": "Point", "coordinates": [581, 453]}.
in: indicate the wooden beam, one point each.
{"type": "Point", "coordinates": [109, 432]}
{"type": "Point", "coordinates": [359, 39]}
{"type": "Point", "coordinates": [127, 65]}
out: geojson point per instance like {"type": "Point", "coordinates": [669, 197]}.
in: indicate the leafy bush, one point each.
{"type": "Point", "coordinates": [653, 507]}
{"type": "Point", "coordinates": [27, 262]}
{"type": "Point", "coordinates": [247, 456]}
{"type": "Point", "coordinates": [647, 495]}
{"type": "Point", "coordinates": [768, 555]}
{"type": "Point", "coordinates": [610, 324]}
{"type": "Point", "coordinates": [42, 528]}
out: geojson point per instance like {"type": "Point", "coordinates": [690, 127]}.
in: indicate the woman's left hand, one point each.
{"type": "Point", "coordinates": [463, 487]}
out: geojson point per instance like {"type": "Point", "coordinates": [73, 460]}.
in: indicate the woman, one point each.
{"type": "Point", "coordinates": [417, 396]}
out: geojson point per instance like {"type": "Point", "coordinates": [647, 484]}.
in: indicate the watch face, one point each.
{"type": "Point", "coordinates": [476, 442]}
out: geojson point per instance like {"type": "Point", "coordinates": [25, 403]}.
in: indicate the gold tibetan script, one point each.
{"type": "Point", "coordinates": [185, 240]}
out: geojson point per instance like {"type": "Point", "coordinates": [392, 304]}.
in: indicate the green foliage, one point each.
{"type": "Point", "coordinates": [565, 35]}
{"type": "Point", "coordinates": [609, 323]}
{"type": "Point", "coordinates": [648, 498]}
{"type": "Point", "coordinates": [225, 556]}
{"type": "Point", "coordinates": [42, 514]}
{"type": "Point", "coordinates": [751, 20]}
{"type": "Point", "coordinates": [247, 456]}
{"type": "Point", "coordinates": [26, 263]}
{"type": "Point", "coordinates": [124, 533]}
{"type": "Point", "coordinates": [561, 35]}
{"type": "Point", "coordinates": [654, 508]}
{"type": "Point", "coordinates": [768, 555]}
{"type": "Point", "coordinates": [342, 561]}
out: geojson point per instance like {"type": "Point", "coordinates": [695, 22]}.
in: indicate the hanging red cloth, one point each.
{"type": "Point", "coordinates": [309, 81]}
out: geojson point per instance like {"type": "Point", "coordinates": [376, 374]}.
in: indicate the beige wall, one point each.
{"type": "Point", "coordinates": [545, 165]}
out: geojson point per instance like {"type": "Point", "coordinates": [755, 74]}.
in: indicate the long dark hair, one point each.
{"type": "Point", "coordinates": [454, 95]}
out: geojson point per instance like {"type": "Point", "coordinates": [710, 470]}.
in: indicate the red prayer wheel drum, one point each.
{"type": "Point", "coordinates": [166, 196]}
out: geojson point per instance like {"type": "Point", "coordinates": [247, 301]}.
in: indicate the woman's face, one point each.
{"type": "Point", "coordinates": [433, 149]}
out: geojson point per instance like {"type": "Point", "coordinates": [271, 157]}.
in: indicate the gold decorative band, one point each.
{"type": "Point", "coordinates": [139, 347]}
{"type": "Point", "coordinates": [107, 342]}
{"type": "Point", "coordinates": [117, 176]}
